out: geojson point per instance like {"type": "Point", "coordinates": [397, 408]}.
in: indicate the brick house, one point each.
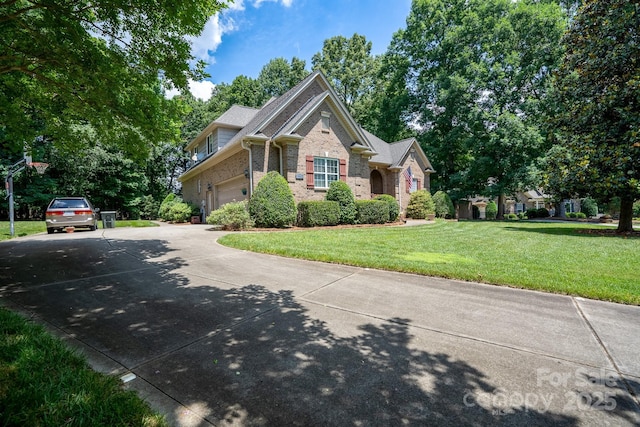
{"type": "Point", "coordinates": [308, 136]}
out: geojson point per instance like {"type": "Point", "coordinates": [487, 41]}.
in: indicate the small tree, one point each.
{"type": "Point", "coordinates": [340, 192]}
{"type": "Point", "coordinates": [420, 205]}
{"type": "Point", "coordinates": [491, 211]}
{"type": "Point", "coordinates": [272, 203]}
{"type": "Point", "coordinates": [444, 205]}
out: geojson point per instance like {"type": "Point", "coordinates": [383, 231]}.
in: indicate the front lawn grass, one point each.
{"type": "Point", "coordinates": [43, 383]}
{"type": "Point", "coordinates": [552, 257]}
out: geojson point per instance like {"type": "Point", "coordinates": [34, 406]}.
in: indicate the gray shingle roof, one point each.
{"type": "Point", "coordinates": [237, 116]}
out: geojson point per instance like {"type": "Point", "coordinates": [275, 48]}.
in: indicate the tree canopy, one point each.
{"type": "Point", "coordinates": [71, 63]}
{"type": "Point", "coordinates": [597, 93]}
{"type": "Point", "coordinates": [477, 71]}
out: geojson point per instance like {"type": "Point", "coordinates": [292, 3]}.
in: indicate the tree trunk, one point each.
{"type": "Point", "coordinates": [625, 223]}
{"type": "Point", "coordinates": [500, 207]}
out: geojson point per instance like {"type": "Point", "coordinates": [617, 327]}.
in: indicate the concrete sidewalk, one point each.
{"type": "Point", "coordinates": [215, 336]}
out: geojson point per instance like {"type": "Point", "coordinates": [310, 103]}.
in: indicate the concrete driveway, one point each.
{"type": "Point", "coordinates": [215, 336]}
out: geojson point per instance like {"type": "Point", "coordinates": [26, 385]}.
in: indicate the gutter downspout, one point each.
{"type": "Point", "coordinates": [247, 146]}
{"type": "Point", "coordinates": [275, 144]}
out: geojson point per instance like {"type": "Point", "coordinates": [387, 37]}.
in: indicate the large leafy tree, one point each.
{"type": "Point", "coordinates": [598, 100]}
{"type": "Point", "coordinates": [278, 75]}
{"type": "Point", "coordinates": [95, 62]}
{"type": "Point", "coordinates": [477, 72]}
{"type": "Point", "coordinates": [349, 66]}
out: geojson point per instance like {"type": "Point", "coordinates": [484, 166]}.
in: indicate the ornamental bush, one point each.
{"type": "Point", "coordinates": [231, 216]}
{"type": "Point", "coordinates": [372, 211]}
{"type": "Point", "coordinates": [340, 192]}
{"type": "Point", "coordinates": [491, 211]}
{"type": "Point", "coordinates": [420, 205]}
{"type": "Point", "coordinates": [173, 209]}
{"type": "Point", "coordinates": [542, 213]}
{"type": "Point", "coordinates": [636, 209]}
{"type": "Point", "coordinates": [318, 213]}
{"type": "Point", "coordinates": [444, 205]}
{"type": "Point", "coordinates": [532, 213]}
{"type": "Point", "coordinates": [272, 203]}
{"type": "Point", "coordinates": [394, 208]}
{"type": "Point", "coordinates": [589, 207]}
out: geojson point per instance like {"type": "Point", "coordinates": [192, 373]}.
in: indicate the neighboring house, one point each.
{"type": "Point", "coordinates": [309, 137]}
{"type": "Point", "coordinates": [475, 207]}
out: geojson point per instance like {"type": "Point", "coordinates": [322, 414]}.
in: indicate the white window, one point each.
{"type": "Point", "coordinates": [209, 144]}
{"type": "Point", "coordinates": [326, 121]}
{"type": "Point", "coordinates": [325, 171]}
{"type": "Point", "coordinates": [414, 185]}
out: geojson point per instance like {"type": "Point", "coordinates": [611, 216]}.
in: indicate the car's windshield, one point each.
{"type": "Point", "coordinates": [68, 204]}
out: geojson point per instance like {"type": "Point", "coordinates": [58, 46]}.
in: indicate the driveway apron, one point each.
{"type": "Point", "coordinates": [210, 335]}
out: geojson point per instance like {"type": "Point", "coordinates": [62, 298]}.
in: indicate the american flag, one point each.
{"type": "Point", "coordinates": [408, 176]}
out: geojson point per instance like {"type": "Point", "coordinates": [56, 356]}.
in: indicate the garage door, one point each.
{"type": "Point", "coordinates": [231, 190]}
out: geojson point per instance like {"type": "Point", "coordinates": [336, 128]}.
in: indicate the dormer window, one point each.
{"type": "Point", "coordinates": [210, 148]}
{"type": "Point", "coordinates": [326, 121]}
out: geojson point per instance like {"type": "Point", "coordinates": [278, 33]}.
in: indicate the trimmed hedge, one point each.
{"type": "Point", "coordinates": [318, 213]}
{"type": "Point", "coordinates": [394, 208]}
{"type": "Point", "coordinates": [340, 192]}
{"type": "Point", "coordinates": [372, 211]}
{"type": "Point", "coordinates": [272, 203]}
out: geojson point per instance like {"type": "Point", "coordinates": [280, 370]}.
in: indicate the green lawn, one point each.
{"type": "Point", "coordinates": [26, 228]}
{"type": "Point", "coordinates": [43, 383]}
{"type": "Point", "coordinates": [551, 257]}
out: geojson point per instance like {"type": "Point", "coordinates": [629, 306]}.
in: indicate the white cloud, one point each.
{"type": "Point", "coordinates": [285, 3]}
{"type": "Point", "coordinates": [200, 90]}
{"type": "Point", "coordinates": [203, 46]}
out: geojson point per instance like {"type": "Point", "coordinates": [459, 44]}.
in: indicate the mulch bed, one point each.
{"type": "Point", "coordinates": [610, 233]}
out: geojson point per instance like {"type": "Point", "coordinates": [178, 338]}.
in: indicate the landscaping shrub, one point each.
{"type": "Point", "coordinates": [372, 211]}
{"type": "Point", "coordinates": [581, 215]}
{"type": "Point", "coordinates": [272, 203]}
{"type": "Point", "coordinates": [173, 209]}
{"type": "Point", "coordinates": [571, 214]}
{"type": "Point", "coordinates": [340, 192]}
{"type": "Point", "coordinates": [511, 216]}
{"type": "Point", "coordinates": [542, 213]}
{"type": "Point", "coordinates": [443, 205]}
{"type": "Point", "coordinates": [163, 210]}
{"type": "Point", "coordinates": [318, 213]}
{"type": "Point", "coordinates": [589, 207]}
{"type": "Point", "coordinates": [420, 205]}
{"type": "Point", "coordinates": [522, 215]}
{"type": "Point", "coordinates": [394, 208]}
{"type": "Point", "coordinates": [491, 210]}
{"type": "Point", "coordinates": [532, 213]}
{"type": "Point", "coordinates": [231, 216]}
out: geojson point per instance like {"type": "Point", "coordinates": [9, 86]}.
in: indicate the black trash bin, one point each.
{"type": "Point", "coordinates": [108, 219]}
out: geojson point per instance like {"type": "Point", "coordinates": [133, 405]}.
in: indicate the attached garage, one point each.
{"type": "Point", "coordinates": [235, 189]}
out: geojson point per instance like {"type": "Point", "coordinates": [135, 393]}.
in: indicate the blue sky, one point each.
{"type": "Point", "coordinates": [244, 37]}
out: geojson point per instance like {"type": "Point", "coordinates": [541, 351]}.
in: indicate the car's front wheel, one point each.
{"type": "Point", "coordinates": [50, 230]}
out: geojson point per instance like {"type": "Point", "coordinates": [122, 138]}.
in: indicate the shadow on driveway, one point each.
{"type": "Point", "coordinates": [246, 354]}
